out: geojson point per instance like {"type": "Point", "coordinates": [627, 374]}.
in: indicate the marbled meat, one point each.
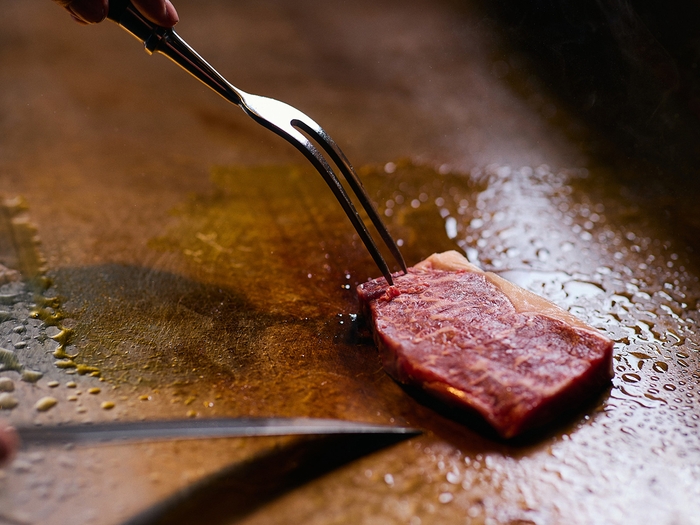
{"type": "Point", "coordinates": [477, 341]}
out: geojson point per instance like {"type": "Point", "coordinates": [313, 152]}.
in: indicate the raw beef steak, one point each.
{"type": "Point", "coordinates": [478, 341]}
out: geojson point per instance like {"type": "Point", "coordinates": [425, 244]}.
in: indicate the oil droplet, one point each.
{"type": "Point", "coordinates": [62, 338]}
{"type": "Point", "coordinates": [660, 366]}
{"type": "Point", "coordinates": [48, 316]}
{"type": "Point", "coordinates": [9, 361]}
{"type": "Point", "coordinates": [84, 369]}
{"type": "Point", "coordinates": [45, 403]}
{"type": "Point", "coordinates": [8, 401]}
{"type": "Point", "coordinates": [581, 289]}
{"type": "Point", "coordinates": [653, 397]}
{"type": "Point", "coordinates": [21, 466]}
{"type": "Point", "coordinates": [6, 384]}
{"type": "Point", "coordinates": [451, 227]}
{"type": "Point", "coordinates": [631, 378]}
{"type": "Point", "coordinates": [31, 376]}
{"type": "Point", "coordinates": [445, 497]}
{"type": "Point", "coordinates": [452, 477]}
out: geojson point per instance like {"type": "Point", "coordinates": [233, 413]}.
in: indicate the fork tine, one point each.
{"type": "Point", "coordinates": [291, 124]}
{"type": "Point", "coordinates": [322, 166]}
{"type": "Point", "coordinates": [342, 162]}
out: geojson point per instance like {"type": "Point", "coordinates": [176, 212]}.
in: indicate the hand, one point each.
{"type": "Point", "coordinates": [160, 12]}
{"type": "Point", "coordinates": [9, 442]}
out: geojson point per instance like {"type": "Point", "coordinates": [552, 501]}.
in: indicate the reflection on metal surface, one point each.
{"type": "Point", "coordinates": [199, 429]}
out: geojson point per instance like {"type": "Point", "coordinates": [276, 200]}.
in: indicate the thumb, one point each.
{"type": "Point", "coordinates": [161, 12]}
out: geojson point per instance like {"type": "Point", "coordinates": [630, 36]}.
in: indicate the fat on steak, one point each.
{"type": "Point", "coordinates": [477, 341]}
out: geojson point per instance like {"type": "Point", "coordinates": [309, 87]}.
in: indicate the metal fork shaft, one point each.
{"type": "Point", "coordinates": [167, 42]}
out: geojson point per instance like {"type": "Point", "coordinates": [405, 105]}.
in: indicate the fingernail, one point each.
{"type": "Point", "coordinates": [89, 11]}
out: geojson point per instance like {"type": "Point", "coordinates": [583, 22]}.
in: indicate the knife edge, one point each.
{"type": "Point", "coordinates": [181, 429]}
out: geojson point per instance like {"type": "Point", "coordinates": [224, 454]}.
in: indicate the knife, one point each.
{"type": "Point", "coordinates": [199, 429]}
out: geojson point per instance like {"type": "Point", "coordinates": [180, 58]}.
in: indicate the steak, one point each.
{"type": "Point", "coordinates": [479, 342]}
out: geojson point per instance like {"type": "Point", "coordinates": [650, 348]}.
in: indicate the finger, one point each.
{"type": "Point", "coordinates": [86, 11]}
{"type": "Point", "coordinates": [9, 443]}
{"type": "Point", "coordinates": [161, 12]}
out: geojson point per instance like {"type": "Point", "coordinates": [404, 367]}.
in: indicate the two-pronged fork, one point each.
{"type": "Point", "coordinates": [288, 122]}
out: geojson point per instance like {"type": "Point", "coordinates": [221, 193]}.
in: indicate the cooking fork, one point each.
{"type": "Point", "coordinates": [288, 122]}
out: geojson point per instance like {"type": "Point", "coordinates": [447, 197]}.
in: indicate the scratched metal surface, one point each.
{"type": "Point", "coordinates": [164, 257]}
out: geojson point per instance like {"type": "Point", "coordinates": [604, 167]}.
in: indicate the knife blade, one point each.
{"type": "Point", "coordinates": [199, 429]}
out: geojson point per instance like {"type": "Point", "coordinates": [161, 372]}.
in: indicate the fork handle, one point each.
{"type": "Point", "coordinates": [157, 39]}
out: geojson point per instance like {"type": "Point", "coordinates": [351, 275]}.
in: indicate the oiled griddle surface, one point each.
{"type": "Point", "coordinates": [199, 268]}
